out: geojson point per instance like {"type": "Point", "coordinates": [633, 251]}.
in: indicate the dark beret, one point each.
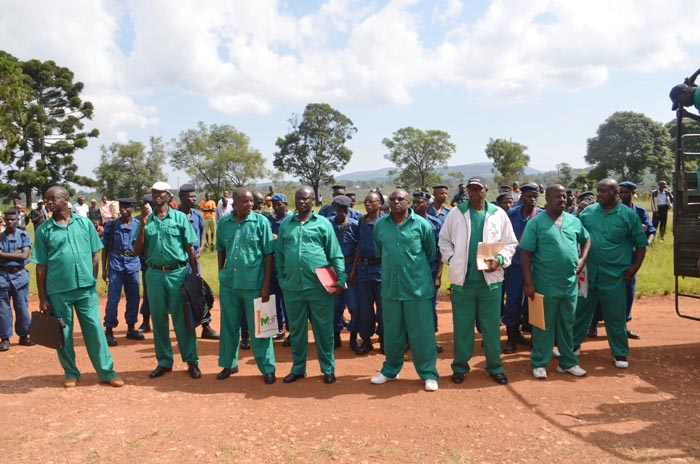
{"type": "Point", "coordinates": [440, 186]}
{"type": "Point", "coordinates": [629, 185]}
{"type": "Point", "coordinates": [342, 200]}
{"type": "Point", "coordinates": [504, 196]}
{"type": "Point", "coordinates": [422, 195]}
{"type": "Point", "coordinates": [338, 187]}
{"type": "Point", "coordinates": [530, 186]}
{"type": "Point", "coordinates": [187, 188]}
{"type": "Point", "coordinates": [127, 201]}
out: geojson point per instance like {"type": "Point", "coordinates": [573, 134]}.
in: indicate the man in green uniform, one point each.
{"type": "Point", "coordinates": [615, 229]}
{"type": "Point", "coordinates": [166, 237]}
{"type": "Point", "coordinates": [306, 242]}
{"type": "Point", "coordinates": [65, 253]}
{"type": "Point", "coordinates": [550, 263]}
{"type": "Point", "coordinates": [245, 250]}
{"type": "Point", "coordinates": [475, 291]}
{"type": "Point", "coordinates": [406, 244]}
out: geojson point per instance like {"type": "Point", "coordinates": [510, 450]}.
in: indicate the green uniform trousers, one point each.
{"type": "Point", "coordinates": [466, 302]}
{"type": "Point", "coordinates": [87, 309]}
{"type": "Point", "coordinates": [316, 305]}
{"type": "Point", "coordinates": [612, 295]}
{"type": "Point", "coordinates": [165, 297]}
{"type": "Point", "coordinates": [233, 303]}
{"type": "Point", "coordinates": [559, 317]}
{"type": "Point", "coordinates": [414, 317]}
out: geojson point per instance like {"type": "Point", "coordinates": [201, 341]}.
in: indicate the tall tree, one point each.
{"type": "Point", "coordinates": [48, 129]}
{"type": "Point", "coordinates": [217, 157]}
{"type": "Point", "coordinates": [418, 153]}
{"type": "Point", "coordinates": [509, 160]}
{"type": "Point", "coordinates": [127, 170]}
{"type": "Point", "coordinates": [628, 144]}
{"type": "Point", "coordinates": [565, 174]}
{"type": "Point", "coordinates": [314, 148]}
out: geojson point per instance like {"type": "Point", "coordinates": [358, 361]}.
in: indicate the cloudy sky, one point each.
{"type": "Point", "coordinates": [544, 73]}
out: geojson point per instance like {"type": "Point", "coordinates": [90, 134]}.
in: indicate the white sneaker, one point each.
{"type": "Point", "coordinates": [431, 385]}
{"type": "Point", "coordinates": [556, 353]}
{"type": "Point", "coordinates": [621, 362]}
{"type": "Point", "coordinates": [539, 373]}
{"type": "Point", "coordinates": [576, 370]}
{"type": "Point", "coordinates": [381, 378]}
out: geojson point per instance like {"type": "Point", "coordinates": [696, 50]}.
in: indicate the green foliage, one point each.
{"type": "Point", "coordinates": [46, 129]}
{"type": "Point", "coordinates": [627, 144]}
{"type": "Point", "coordinates": [126, 170]}
{"type": "Point", "coordinates": [14, 91]}
{"type": "Point", "coordinates": [314, 148]}
{"type": "Point", "coordinates": [690, 144]}
{"type": "Point", "coordinates": [418, 153]}
{"type": "Point", "coordinates": [217, 157]}
{"type": "Point", "coordinates": [565, 174]}
{"type": "Point", "coordinates": [509, 159]}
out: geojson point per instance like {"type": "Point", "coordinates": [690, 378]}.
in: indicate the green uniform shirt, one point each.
{"type": "Point", "coordinates": [246, 245]}
{"type": "Point", "coordinates": [476, 219]}
{"type": "Point", "coordinates": [301, 248]}
{"type": "Point", "coordinates": [67, 251]}
{"type": "Point", "coordinates": [613, 235]}
{"type": "Point", "coordinates": [406, 252]}
{"type": "Point", "coordinates": [555, 253]}
{"type": "Point", "coordinates": [165, 239]}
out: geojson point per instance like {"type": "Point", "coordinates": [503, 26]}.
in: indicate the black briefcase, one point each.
{"type": "Point", "coordinates": [47, 330]}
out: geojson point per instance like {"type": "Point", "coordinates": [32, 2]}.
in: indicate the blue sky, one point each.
{"type": "Point", "coordinates": [544, 73]}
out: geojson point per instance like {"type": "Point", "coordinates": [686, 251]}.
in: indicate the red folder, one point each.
{"type": "Point", "coordinates": [327, 277]}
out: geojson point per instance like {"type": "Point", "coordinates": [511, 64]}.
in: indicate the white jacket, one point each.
{"type": "Point", "coordinates": [456, 233]}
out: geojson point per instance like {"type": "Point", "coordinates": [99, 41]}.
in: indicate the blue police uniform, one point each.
{"type": "Point", "coordinates": [124, 269]}
{"type": "Point", "coordinates": [347, 235]}
{"type": "Point", "coordinates": [369, 283]}
{"type": "Point", "coordinates": [441, 215]}
{"type": "Point", "coordinates": [14, 284]}
{"type": "Point", "coordinates": [275, 288]}
{"type": "Point", "coordinates": [516, 304]}
{"type": "Point", "coordinates": [436, 224]}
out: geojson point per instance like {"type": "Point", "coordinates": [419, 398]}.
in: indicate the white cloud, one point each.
{"type": "Point", "coordinates": [252, 57]}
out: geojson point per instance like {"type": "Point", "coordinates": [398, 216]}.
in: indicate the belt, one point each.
{"type": "Point", "coordinates": [12, 269]}
{"type": "Point", "coordinates": [166, 268]}
{"type": "Point", "coordinates": [370, 261]}
{"type": "Point", "coordinates": [128, 253]}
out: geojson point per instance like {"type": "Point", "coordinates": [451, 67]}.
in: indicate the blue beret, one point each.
{"type": "Point", "coordinates": [279, 197]}
{"type": "Point", "coordinates": [342, 201]}
{"type": "Point", "coordinates": [187, 188]}
{"type": "Point", "coordinates": [629, 185]}
{"type": "Point", "coordinates": [530, 186]}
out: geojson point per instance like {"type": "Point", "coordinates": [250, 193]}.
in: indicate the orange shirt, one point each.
{"type": "Point", "coordinates": [208, 204]}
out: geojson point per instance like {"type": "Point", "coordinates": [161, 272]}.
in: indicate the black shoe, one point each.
{"type": "Point", "coordinates": [457, 377]}
{"type": "Point", "coordinates": [292, 377]}
{"type": "Point", "coordinates": [329, 378]}
{"type": "Point", "coordinates": [509, 347]}
{"type": "Point", "coordinates": [134, 334]}
{"type": "Point", "coordinates": [279, 335]}
{"type": "Point", "coordinates": [5, 344]}
{"type": "Point", "coordinates": [111, 341]}
{"type": "Point", "coordinates": [287, 341]}
{"type": "Point", "coordinates": [365, 347]}
{"type": "Point", "coordinates": [209, 334]}
{"type": "Point", "coordinates": [194, 371]}
{"type": "Point", "coordinates": [527, 327]}
{"type": "Point", "coordinates": [500, 379]}
{"type": "Point", "coordinates": [520, 338]}
{"type": "Point", "coordinates": [245, 341]}
{"type": "Point", "coordinates": [145, 326]}
{"type": "Point", "coordinates": [25, 340]}
{"type": "Point", "coordinates": [226, 373]}
{"type": "Point", "coordinates": [592, 332]}
{"type": "Point", "coordinates": [438, 347]}
{"type": "Point", "coordinates": [337, 343]}
{"type": "Point", "coordinates": [270, 378]}
{"type": "Point", "coordinates": [159, 371]}
{"type": "Point", "coordinates": [630, 334]}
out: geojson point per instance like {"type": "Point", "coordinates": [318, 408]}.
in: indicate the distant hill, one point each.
{"type": "Point", "coordinates": [468, 170]}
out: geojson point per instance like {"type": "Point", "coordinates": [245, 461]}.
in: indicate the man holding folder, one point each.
{"type": "Point", "coordinates": [550, 263]}
{"type": "Point", "coordinates": [476, 291]}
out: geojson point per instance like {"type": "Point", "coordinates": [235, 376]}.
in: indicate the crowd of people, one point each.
{"type": "Point", "coordinates": [581, 255]}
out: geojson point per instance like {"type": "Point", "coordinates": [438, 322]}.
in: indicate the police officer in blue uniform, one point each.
{"type": "Point", "coordinates": [14, 281]}
{"type": "Point", "coordinates": [280, 213]}
{"type": "Point", "coordinates": [120, 269]}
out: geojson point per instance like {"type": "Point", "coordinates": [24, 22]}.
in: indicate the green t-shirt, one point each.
{"type": "Point", "coordinates": [406, 252]}
{"type": "Point", "coordinates": [301, 248]}
{"type": "Point", "coordinates": [555, 253]}
{"type": "Point", "coordinates": [165, 239]}
{"type": "Point", "coordinates": [67, 252]}
{"type": "Point", "coordinates": [476, 219]}
{"type": "Point", "coordinates": [246, 245]}
{"type": "Point", "coordinates": [613, 235]}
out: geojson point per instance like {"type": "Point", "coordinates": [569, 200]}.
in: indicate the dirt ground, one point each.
{"type": "Point", "coordinates": [647, 413]}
